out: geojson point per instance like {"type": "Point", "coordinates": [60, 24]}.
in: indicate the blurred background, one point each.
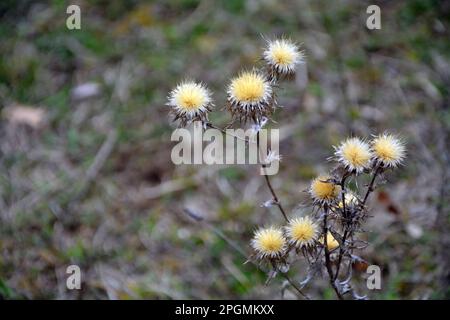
{"type": "Point", "coordinates": [85, 170]}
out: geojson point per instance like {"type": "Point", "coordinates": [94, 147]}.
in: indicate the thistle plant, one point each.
{"type": "Point", "coordinates": [327, 235]}
{"type": "Point", "coordinates": [190, 101]}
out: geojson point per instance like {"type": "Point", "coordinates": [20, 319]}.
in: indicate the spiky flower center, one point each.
{"type": "Point", "coordinates": [248, 87]}
{"type": "Point", "coordinates": [355, 154]}
{"type": "Point", "coordinates": [302, 230]}
{"type": "Point", "coordinates": [190, 96]}
{"type": "Point", "coordinates": [322, 189]}
{"type": "Point", "coordinates": [386, 149]}
{"type": "Point", "coordinates": [269, 241]}
{"type": "Point", "coordinates": [282, 55]}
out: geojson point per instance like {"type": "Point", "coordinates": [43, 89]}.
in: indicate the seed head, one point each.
{"type": "Point", "coordinates": [190, 101]}
{"type": "Point", "coordinates": [354, 154]}
{"type": "Point", "coordinates": [250, 95]}
{"type": "Point", "coordinates": [322, 190]}
{"type": "Point", "coordinates": [302, 232]}
{"type": "Point", "coordinates": [388, 150]}
{"type": "Point", "coordinates": [269, 242]}
{"type": "Point", "coordinates": [282, 56]}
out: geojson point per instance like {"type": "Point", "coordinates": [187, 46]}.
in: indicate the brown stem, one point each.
{"type": "Point", "coordinates": [292, 283]}
{"type": "Point", "coordinates": [344, 237]}
{"type": "Point", "coordinates": [327, 254]}
{"type": "Point", "coordinates": [346, 231]}
{"type": "Point", "coordinates": [269, 185]}
{"type": "Point", "coordinates": [267, 179]}
{"type": "Point", "coordinates": [275, 198]}
{"type": "Point", "coordinates": [224, 131]}
{"type": "Point", "coordinates": [341, 253]}
{"type": "Point", "coordinates": [370, 188]}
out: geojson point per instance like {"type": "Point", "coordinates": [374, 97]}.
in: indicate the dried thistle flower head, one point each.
{"type": "Point", "coordinates": [302, 232]}
{"type": "Point", "coordinates": [269, 242]}
{"type": "Point", "coordinates": [354, 154]}
{"type": "Point", "coordinates": [190, 101]}
{"type": "Point", "coordinates": [350, 200]}
{"type": "Point", "coordinates": [250, 95]}
{"type": "Point", "coordinates": [282, 56]}
{"type": "Point", "coordinates": [332, 243]}
{"type": "Point", "coordinates": [322, 190]}
{"type": "Point", "coordinates": [388, 150]}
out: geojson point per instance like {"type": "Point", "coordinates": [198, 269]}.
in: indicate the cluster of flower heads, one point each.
{"type": "Point", "coordinates": [355, 156]}
{"type": "Point", "coordinates": [303, 232]}
{"type": "Point", "coordinates": [274, 242]}
{"type": "Point", "coordinates": [250, 95]}
{"type": "Point", "coordinates": [358, 155]}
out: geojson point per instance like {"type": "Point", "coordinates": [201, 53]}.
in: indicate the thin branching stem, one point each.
{"type": "Point", "coordinates": [224, 131]}
{"type": "Point", "coordinates": [327, 253]}
{"type": "Point", "coordinates": [276, 200]}
{"type": "Point", "coordinates": [345, 216]}
{"type": "Point", "coordinates": [292, 283]}
{"type": "Point", "coordinates": [371, 188]}
{"type": "Point", "coordinates": [341, 252]}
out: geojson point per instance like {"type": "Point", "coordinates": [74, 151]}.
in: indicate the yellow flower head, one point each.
{"type": "Point", "coordinates": [354, 154]}
{"type": "Point", "coordinates": [388, 150]}
{"type": "Point", "coordinates": [302, 231]}
{"type": "Point", "coordinates": [332, 243]}
{"type": "Point", "coordinates": [190, 101]}
{"type": "Point", "coordinates": [350, 200]}
{"type": "Point", "coordinates": [282, 55]}
{"type": "Point", "coordinates": [324, 191]}
{"type": "Point", "coordinates": [269, 242]}
{"type": "Point", "coordinates": [250, 88]}
{"type": "Point", "coordinates": [250, 95]}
